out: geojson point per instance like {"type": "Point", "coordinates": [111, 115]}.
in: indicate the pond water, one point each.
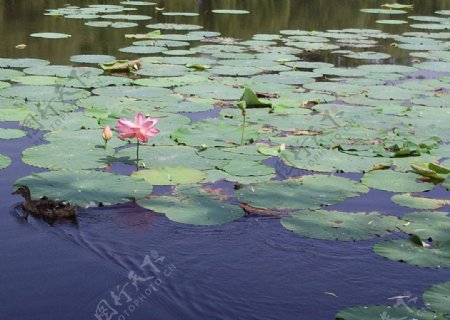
{"type": "Point", "coordinates": [126, 262]}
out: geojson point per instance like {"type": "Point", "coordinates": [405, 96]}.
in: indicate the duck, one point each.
{"type": "Point", "coordinates": [44, 207]}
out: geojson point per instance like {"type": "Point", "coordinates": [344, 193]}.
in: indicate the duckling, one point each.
{"type": "Point", "coordinates": [46, 208]}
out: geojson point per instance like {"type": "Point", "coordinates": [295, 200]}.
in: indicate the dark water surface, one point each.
{"type": "Point", "coordinates": [248, 269]}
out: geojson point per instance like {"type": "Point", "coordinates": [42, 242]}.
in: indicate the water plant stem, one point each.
{"type": "Point", "coordinates": [137, 156]}
{"type": "Point", "coordinates": [243, 127]}
{"type": "Point", "coordinates": [105, 145]}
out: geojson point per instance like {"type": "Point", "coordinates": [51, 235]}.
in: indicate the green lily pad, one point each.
{"type": "Point", "coordinates": [92, 58]}
{"type": "Point", "coordinates": [50, 35]}
{"type": "Point", "coordinates": [193, 206]}
{"type": "Point", "coordinates": [325, 160]}
{"type": "Point", "coordinates": [36, 80]}
{"type": "Point", "coordinates": [407, 250]}
{"type": "Point", "coordinates": [336, 225]}
{"type": "Point", "coordinates": [170, 175]}
{"type": "Point", "coordinates": [22, 62]}
{"type": "Point", "coordinates": [391, 21]}
{"type": "Point", "coordinates": [214, 133]}
{"type": "Point", "coordinates": [63, 71]}
{"type": "Point", "coordinates": [11, 133]}
{"type": "Point", "coordinates": [427, 225]}
{"type": "Point", "coordinates": [383, 11]}
{"type": "Point", "coordinates": [377, 312]}
{"type": "Point", "coordinates": [247, 168]}
{"type": "Point", "coordinates": [173, 26]}
{"type": "Point", "coordinates": [98, 24]}
{"type": "Point", "coordinates": [4, 161]}
{"type": "Point", "coordinates": [368, 55]}
{"type": "Point", "coordinates": [418, 202]}
{"type": "Point", "coordinates": [85, 188]}
{"type": "Point", "coordinates": [307, 192]}
{"type": "Point", "coordinates": [433, 66]}
{"type": "Point", "coordinates": [181, 14]}
{"type": "Point", "coordinates": [8, 74]}
{"type": "Point", "coordinates": [68, 155]}
{"type": "Point", "coordinates": [210, 90]}
{"type": "Point", "coordinates": [44, 93]}
{"type": "Point", "coordinates": [142, 49]}
{"type": "Point", "coordinates": [4, 85]}
{"type": "Point", "coordinates": [438, 297]}
{"type": "Point", "coordinates": [132, 17]}
{"type": "Point", "coordinates": [394, 181]}
{"type": "Point", "coordinates": [132, 92]}
{"type": "Point", "coordinates": [230, 11]}
{"type": "Point", "coordinates": [138, 3]}
{"type": "Point", "coordinates": [166, 156]}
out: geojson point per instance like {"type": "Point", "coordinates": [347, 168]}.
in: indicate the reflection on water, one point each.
{"type": "Point", "coordinates": [21, 18]}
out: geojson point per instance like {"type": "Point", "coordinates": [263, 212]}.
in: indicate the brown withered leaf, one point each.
{"type": "Point", "coordinates": [261, 212]}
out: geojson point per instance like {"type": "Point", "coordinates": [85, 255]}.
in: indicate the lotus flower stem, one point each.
{"type": "Point", "coordinates": [243, 127]}
{"type": "Point", "coordinates": [137, 156]}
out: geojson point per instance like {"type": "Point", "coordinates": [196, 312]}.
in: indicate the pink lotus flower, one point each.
{"type": "Point", "coordinates": [141, 128]}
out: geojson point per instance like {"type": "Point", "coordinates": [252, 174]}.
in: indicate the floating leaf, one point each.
{"type": "Point", "coordinates": [11, 133]}
{"type": "Point", "coordinates": [327, 160]}
{"type": "Point", "coordinates": [85, 188]}
{"type": "Point", "coordinates": [251, 99]}
{"type": "Point", "coordinates": [394, 181]}
{"type": "Point", "coordinates": [230, 11]}
{"type": "Point", "coordinates": [170, 175]}
{"type": "Point", "coordinates": [383, 11]}
{"type": "Point", "coordinates": [377, 312]}
{"type": "Point", "coordinates": [438, 298]}
{"type": "Point", "coordinates": [431, 225]}
{"type": "Point", "coordinates": [214, 133]}
{"type": "Point", "coordinates": [193, 206]}
{"type": "Point", "coordinates": [308, 192]}
{"type": "Point", "coordinates": [4, 161]}
{"type": "Point", "coordinates": [418, 202]}
{"type": "Point", "coordinates": [406, 250]}
{"type": "Point", "coordinates": [336, 225]}
{"type": "Point", "coordinates": [50, 35]}
{"type": "Point", "coordinates": [92, 58]}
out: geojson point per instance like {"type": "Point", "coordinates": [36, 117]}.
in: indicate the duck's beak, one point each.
{"type": "Point", "coordinates": [13, 193]}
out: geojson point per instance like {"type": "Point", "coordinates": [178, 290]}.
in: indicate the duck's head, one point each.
{"type": "Point", "coordinates": [24, 191]}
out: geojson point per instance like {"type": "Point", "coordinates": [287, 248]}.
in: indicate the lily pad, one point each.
{"type": "Point", "coordinates": [325, 160]}
{"type": "Point", "coordinates": [214, 133]}
{"type": "Point", "coordinates": [230, 11]}
{"type": "Point", "coordinates": [193, 206]}
{"type": "Point", "coordinates": [50, 35]}
{"type": "Point", "coordinates": [394, 181]}
{"type": "Point", "coordinates": [166, 156]}
{"type": "Point", "coordinates": [210, 90]}
{"type": "Point", "coordinates": [383, 11]}
{"type": "Point", "coordinates": [418, 202]}
{"type": "Point", "coordinates": [377, 312]}
{"type": "Point", "coordinates": [433, 225]}
{"type": "Point", "coordinates": [68, 155]}
{"type": "Point", "coordinates": [11, 133]}
{"type": "Point", "coordinates": [22, 62]}
{"type": "Point", "coordinates": [170, 175]}
{"type": "Point", "coordinates": [308, 192]}
{"type": "Point", "coordinates": [86, 188]}
{"type": "Point", "coordinates": [92, 58]}
{"type": "Point", "coordinates": [438, 297]}
{"type": "Point", "coordinates": [436, 255]}
{"type": "Point", "coordinates": [36, 80]}
{"type": "Point", "coordinates": [336, 225]}
{"type": "Point", "coordinates": [4, 161]}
